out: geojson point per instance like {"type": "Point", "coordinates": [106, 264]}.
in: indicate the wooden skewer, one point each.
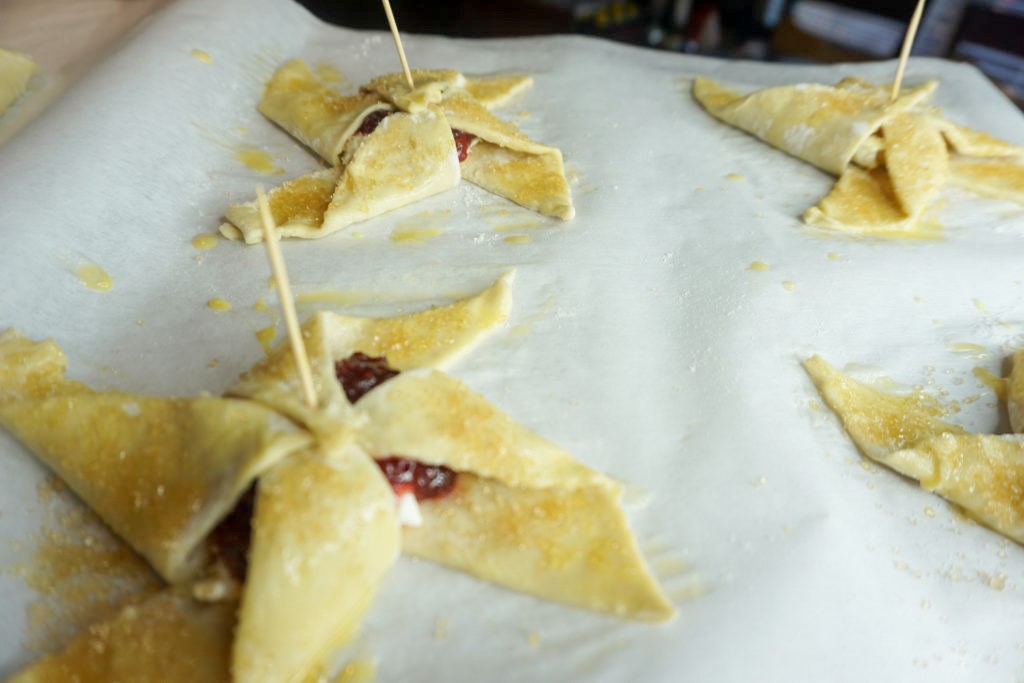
{"type": "Point", "coordinates": [398, 43]}
{"type": "Point", "coordinates": [284, 293]}
{"type": "Point", "coordinates": [908, 42]}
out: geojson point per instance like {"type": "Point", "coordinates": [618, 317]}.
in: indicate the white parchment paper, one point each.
{"type": "Point", "coordinates": [639, 340]}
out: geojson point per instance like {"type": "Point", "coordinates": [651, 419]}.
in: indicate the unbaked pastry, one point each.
{"type": "Point", "coordinates": [302, 519]}
{"type": "Point", "coordinates": [524, 513]}
{"type": "Point", "coordinates": [892, 159]}
{"type": "Point", "coordinates": [389, 146]}
{"type": "Point", "coordinates": [16, 68]}
{"type": "Point", "coordinates": [982, 473]}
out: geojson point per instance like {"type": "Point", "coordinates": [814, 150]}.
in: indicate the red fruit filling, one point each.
{"type": "Point", "coordinates": [411, 476]}
{"type": "Point", "coordinates": [360, 373]}
{"type": "Point", "coordinates": [373, 120]}
{"type": "Point", "coordinates": [229, 541]}
{"type": "Point", "coordinates": [463, 141]}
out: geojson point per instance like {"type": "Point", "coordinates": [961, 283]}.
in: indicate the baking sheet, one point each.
{"type": "Point", "coordinates": [639, 340]}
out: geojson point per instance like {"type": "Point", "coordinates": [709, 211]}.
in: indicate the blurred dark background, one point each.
{"type": "Point", "coordinates": [988, 33]}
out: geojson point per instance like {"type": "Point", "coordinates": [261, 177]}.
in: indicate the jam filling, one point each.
{"type": "Point", "coordinates": [373, 120]}
{"type": "Point", "coordinates": [229, 541]}
{"type": "Point", "coordinates": [412, 476]}
{"type": "Point", "coordinates": [359, 374]}
{"type": "Point", "coordinates": [463, 141]}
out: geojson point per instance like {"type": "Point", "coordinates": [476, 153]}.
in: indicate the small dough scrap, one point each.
{"type": "Point", "coordinates": [16, 69]}
{"type": "Point", "coordinates": [496, 91]}
{"type": "Point", "coordinates": [161, 472]}
{"type": "Point", "coordinates": [297, 206]}
{"type": "Point", "coordinates": [169, 637]}
{"type": "Point", "coordinates": [430, 88]}
{"type": "Point", "coordinates": [324, 533]}
{"type": "Point", "coordinates": [301, 104]}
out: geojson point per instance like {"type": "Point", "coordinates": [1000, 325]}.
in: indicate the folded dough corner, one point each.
{"type": "Point", "coordinates": [892, 158]}
{"type": "Point", "coordinates": [389, 146]}
{"type": "Point", "coordinates": [981, 473]}
{"type": "Point", "coordinates": [275, 523]}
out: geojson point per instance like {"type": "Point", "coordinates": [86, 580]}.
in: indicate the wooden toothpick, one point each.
{"type": "Point", "coordinates": [284, 293]}
{"type": "Point", "coordinates": [398, 43]}
{"type": "Point", "coordinates": [908, 41]}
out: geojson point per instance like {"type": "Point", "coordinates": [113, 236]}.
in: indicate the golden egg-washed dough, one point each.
{"type": "Point", "coordinates": [497, 91]}
{"type": "Point", "coordinates": [525, 513]}
{"type": "Point", "coordinates": [298, 208]}
{"type": "Point", "coordinates": [507, 163]}
{"type": "Point", "coordinates": [434, 337]}
{"type": "Point", "coordinates": [982, 473]}
{"type": "Point", "coordinates": [169, 637]}
{"type": "Point", "coordinates": [297, 101]}
{"type": "Point", "coordinates": [408, 157]}
{"type": "Point", "coordinates": [572, 546]}
{"type": "Point", "coordinates": [430, 88]}
{"type": "Point", "coordinates": [431, 417]}
{"type": "Point", "coordinates": [324, 533]}
{"type": "Point", "coordinates": [823, 125]}
{"type": "Point", "coordinates": [161, 472]}
{"type": "Point", "coordinates": [995, 178]}
{"type": "Point", "coordinates": [892, 158]}
{"type": "Point", "coordinates": [16, 68]}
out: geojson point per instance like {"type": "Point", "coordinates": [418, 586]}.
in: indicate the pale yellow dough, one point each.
{"type": "Point", "coordinates": [163, 473]}
{"type": "Point", "coordinates": [169, 637]}
{"type": "Point", "coordinates": [892, 158]}
{"type": "Point", "coordinates": [16, 69]}
{"type": "Point", "coordinates": [433, 418]}
{"type": "Point", "coordinates": [982, 473]}
{"type": "Point", "coordinates": [409, 156]}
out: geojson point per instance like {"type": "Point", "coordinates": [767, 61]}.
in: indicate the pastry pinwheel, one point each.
{"type": "Point", "coordinates": [389, 146]}
{"type": "Point", "coordinates": [892, 158]}
{"type": "Point", "coordinates": [982, 473]}
{"type": "Point", "coordinates": [273, 523]}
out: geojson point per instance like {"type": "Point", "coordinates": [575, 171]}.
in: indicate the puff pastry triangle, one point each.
{"type": "Point", "coordinates": [169, 637]}
{"type": "Point", "coordinates": [524, 513]}
{"type": "Point", "coordinates": [324, 533]}
{"type": "Point", "coordinates": [892, 158]}
{"type": "Point", "coordinates": [982, 473]}
{"type": "Point", "coordinates": [384, 160]}
{"type": "Point", "coordinates": [297, 101]}
{"type": "Point", "coordinates": [434, 337]}
{"type": "Point", "coordinates": [161, 472]}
